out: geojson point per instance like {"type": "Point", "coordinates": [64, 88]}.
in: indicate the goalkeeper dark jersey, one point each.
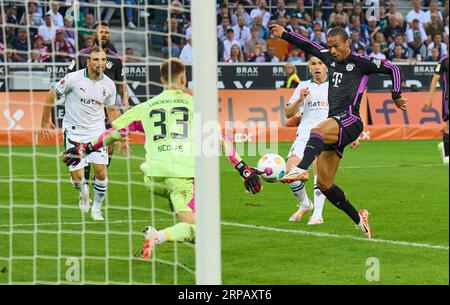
{"type": "Point", "coordinates": [348, 79]}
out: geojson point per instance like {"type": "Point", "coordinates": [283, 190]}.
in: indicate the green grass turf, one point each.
{"type": "Point", "coordinates": [402, 183]}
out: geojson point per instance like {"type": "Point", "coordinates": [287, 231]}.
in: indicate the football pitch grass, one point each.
{"type": "Point", "coordinates": [402, 184]}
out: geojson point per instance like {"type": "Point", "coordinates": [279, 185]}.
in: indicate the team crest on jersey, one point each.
{"type": "Point", "coordinates": [349, 67]}
{"type": "Point", "coordinates": [62, 81]}
{"type": "Point", "coordinates": [109, 64]}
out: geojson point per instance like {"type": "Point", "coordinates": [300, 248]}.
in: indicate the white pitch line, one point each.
{"type": "Point", "coordinates": [260, 228]}
{"type": "Point", "coordinates": [233, 170]}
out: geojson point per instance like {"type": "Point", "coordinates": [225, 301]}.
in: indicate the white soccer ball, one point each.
{"type": "Point", "coordinates": [273, 167]}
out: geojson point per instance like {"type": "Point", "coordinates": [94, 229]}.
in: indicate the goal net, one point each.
{"type": "Point", "coordinates": [44, 237]}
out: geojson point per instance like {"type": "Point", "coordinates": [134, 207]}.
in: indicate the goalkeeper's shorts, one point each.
{"type": "Point", "coordinates": [179, 191]}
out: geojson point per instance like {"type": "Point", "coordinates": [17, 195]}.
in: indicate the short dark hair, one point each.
{"type": "Point", "coordinates": [104, 23]}
{"type": "Point", "coordinates": [95, 50]}
{"type": "Point", "coordinates": [338, 31]}
{"type": "Point", "coordinates": [171, 68]}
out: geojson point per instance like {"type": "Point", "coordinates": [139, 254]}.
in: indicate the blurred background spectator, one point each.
{"type": "Point", "coordinates": [292, 79]}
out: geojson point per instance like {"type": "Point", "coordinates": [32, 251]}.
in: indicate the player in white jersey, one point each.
{"type": "Point", "coordinates": [87, 93]}
{"type": "Point", "coordinates": [310, 100]}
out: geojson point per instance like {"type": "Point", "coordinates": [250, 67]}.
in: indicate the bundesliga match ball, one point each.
{"type": "Point", "coordinates": [273, 167]}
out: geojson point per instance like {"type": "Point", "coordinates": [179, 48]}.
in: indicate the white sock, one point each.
{"type": "Point", "coordinates": [161, 237]}
{"type": "Point", "coordinates": [319, 200]}
{"type": "Point", "coordinates": [298, 188]}
{"type": "Point", "coordinates": [82, 186]}
{"type": "Point", "coordinates": [100, 187]}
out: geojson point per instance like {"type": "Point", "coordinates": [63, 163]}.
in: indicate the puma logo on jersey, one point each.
{"type": "Point", "coordinates": [82, 89]}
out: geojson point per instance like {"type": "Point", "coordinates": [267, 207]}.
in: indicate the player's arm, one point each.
{"type": "Point", "coordinates": [386, 67]}
{"type": "Point", "coordinates": [252, 183]}
{"type": "Point", "coordinates": [300, 42]}
{"type": "Point", "coordinates": [296, 101]}
{"type": "Point", "coordinates": [436, 77]}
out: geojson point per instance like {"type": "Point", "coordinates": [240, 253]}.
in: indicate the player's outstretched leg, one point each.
{"type": "Point", "coordinates": [327, 165]}
{"type": "Point", "coordinates": [180, 232]}
{"type": "Point", "coordinates": [327, 132]}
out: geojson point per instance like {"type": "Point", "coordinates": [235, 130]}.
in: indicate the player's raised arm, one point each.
{"type": "Point", "coordinates": [296, 101]}
{"type": "Point", "coordinates": [374, 65]}
{"type": "Point", "coordinates": [252, 183]}
{"type": "Point", "coordinates": [300, 42]}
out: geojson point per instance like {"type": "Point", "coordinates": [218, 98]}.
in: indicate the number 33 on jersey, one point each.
{"type": "Point", "coordinates": [167, 120]}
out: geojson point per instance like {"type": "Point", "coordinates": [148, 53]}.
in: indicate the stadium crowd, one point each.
{"type": "Point", "coordinates": [40, 33]}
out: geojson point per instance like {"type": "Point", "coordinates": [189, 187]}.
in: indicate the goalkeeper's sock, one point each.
{"type": "Point", "coordinates": [100, 187]}
{"type": "Point", "coordinates": [298, 189]}
{"type": "Point", "coordinates": [446, 143]}
{"type": "Point", "coordinates": [180, 232]}
{"type": "Point", "coordinates": [319, 200]}
{"type": "Point", "coordinates": [337, 197]}
{"type": "Point", "coordinates": [313, 148]}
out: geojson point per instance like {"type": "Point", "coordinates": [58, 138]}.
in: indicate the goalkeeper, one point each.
{"type": "Point", "coordinates": [169, 170]}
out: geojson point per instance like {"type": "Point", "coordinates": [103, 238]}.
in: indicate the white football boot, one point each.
{"type": "Point", "coordinates": [364, 225]}
{"type": "Point", "coordinates": [85, 203]}
{"type": "Point", "coordinates": [302, 210]}
{"type": "Point", "coordinates": [97, 215]}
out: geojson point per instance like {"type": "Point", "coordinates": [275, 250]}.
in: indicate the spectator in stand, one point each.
{"type": "Point", "coordinates": [417, 48]}
{"type": "Point", "coordinates": [304, 19]}
{"type": "Point", "coordinates": [437, 43]}
{"type": "Point", "coordinates": [57, 18]}
{"type": "Point", "coordinates": [175, 41]}
{"type": "Point", "coordinates": [393, 10]}
{"type": "Point", "coordinates": [376, 52]}
{"type": "Point", "coordinates": [399, 55]}
{"type": "Point", "coordinates": [434, 56]}
{"type": "Point", "coordinates": [64, 50]}
{"type": "Point", "coordinates": [186, 53]}
{"type": "Point", "coordinates": [241, 31]}
{"type": "Point", "coordinates": [11, 11]}
{"type": "Point", "coordinates": [11, 19]}
{"type": "Point", "coordinates": [222, 28]}
{"type": "Point", "coordinates": [281, 47]}
{"type": "Point", "coordinates": [415, 31]}
{"type": "Point", "coordinates": [356, 43]}
{"type": "Point", "coordinates": [261, 12]}
{"type": "Point", "coordinates": [131, 57]}
{"type": "Point", "coordinates": [281, 10]}
{"type": "Point", "coordinates": [240, 11]}
{"type": "Point", "coordinates": [357, 11]}
{"type": "Point", "coordinates": [182, 17]}
{"type": "Point", "coordinates": [434, 27]}
{"type": "Point", "coordinates": [338, 9]}
{"type": "Point", "coordinates": [318, 18]}
{"type": "Point", "coordinates": [271, 51]}
{"type": "Point", "coordinates": [293, 25]}
{"type": "Point", "coordinates": [70, 30]}
{"type": "Point", "coordinates": [318, 36]}
{"type": "Point", "coordinates": [393, 29]}
{"type": "Point", "coordinates": [292, 80]}
{"type": "Point", "coordinates": [383, 20]}
{"type": "Point", "coordinates": [88, 43]}
{"type": "Point", "coordinates": [34, 57]}
{"type": "Point", "coordinates": [282, 21]}
{"type": "Point", "coordinates": [361, 28]}
{"type": "Point", "coordinates": [87, 29]}
{"type": "Point", "coordinates": [220, 50]}
{"type": "Point", "coordinates": [372, 27]}
{"type": "Point", "coordinates": [33, 19]}
{"type": "Point", "coordinates": [445, 10]}
{"type": "Point", "coordinates": [296, 56]}
{"type": "Point", "coordinates": [130, 12]}
{"type": "Point", "coordinates": [433, 9]}
{"type": "Point", "coordinates": [258, 55]}
{"type": "Point", "coordinates": [384, 46]}
{"type": "Point", "coordinates": [223, 12]}
{"type": "Point", "coordinates": [229, 42]}
{"type": "Point", "coordinates": [340, 21]}
{"type": "Point", "coordinates": [446, 27]}
{"type": "Point", "coordinates": [398, 41]}
{"type": "Point", "coordinates": [47, 31]}
{"type": "Point", "coordinates": [44, 54]}
{"type": "Point", "coordinates": [416, 13]}
{"type": "Point", "coordinates": [20, 46]}
{"type": "Point", "coordinates": [250, 44]}
{"type": "Point", "coordinates": [263, 32]}
{"type": "Point", "coordinates": [235, 55]}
